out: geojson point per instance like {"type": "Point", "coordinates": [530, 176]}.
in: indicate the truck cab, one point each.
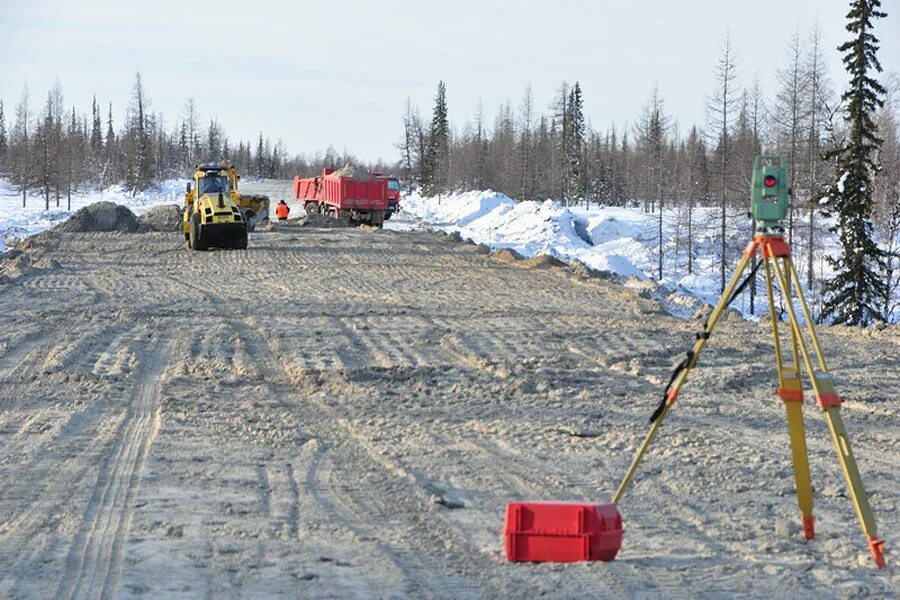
{"type": "Point", "coordinates": [393, 197]}
{"type": "Point", "coordinates": [393, 194]}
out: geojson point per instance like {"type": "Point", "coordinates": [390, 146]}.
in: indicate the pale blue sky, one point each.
{"type": "Point", "coordinates": [318, 73]}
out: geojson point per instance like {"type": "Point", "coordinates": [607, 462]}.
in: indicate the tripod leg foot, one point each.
{"type": "Point", "coordinates": [809, 530]}
{"type": "Point", "coordinates": [877, 547]}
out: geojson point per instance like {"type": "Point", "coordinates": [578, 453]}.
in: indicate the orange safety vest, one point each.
{"type": "Point", "coordinates": [282, 211]}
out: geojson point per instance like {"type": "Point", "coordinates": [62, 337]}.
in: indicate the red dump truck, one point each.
{"type": "Point", "coordinates": [361, 199]}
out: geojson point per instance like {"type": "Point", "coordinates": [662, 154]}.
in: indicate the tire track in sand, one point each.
{"type": "Point", "coordinates": [94, 564]}
{"type": "Point", "coordinates": [420, 575]}
{"type": "Point", "coordinates": [12, 360]}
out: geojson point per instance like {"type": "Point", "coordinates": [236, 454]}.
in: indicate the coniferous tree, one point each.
{"type": "Point", "coordinates": [73, 153]}
{"type": "Point", "coordinates": [48, 142]}
{"type": "Point", "coordinates": [722, 105]}
{"type": "Point", "coordinates": [21, 155]}
{"type": "Point", "coordinates": [757, 108]}
{"type": "Point", "coordinates": [139, 134]}
{"type": "Point", "coordinates": [480, 174]}
{"type": "Point", "coordinates": [501, 149]}
{"type": "Point", "coordinates": [790, 113]}
{"type": "Point", "coordinates": [559, 132]}
{"type": "Point", "coordinates": [96, 128]}
{"type": "Point", "coordinates": [434, 165]}
{"type": "Point", "coordinates": [110, 151]}
{"type": "Point", "coordinates": [526, 153]}
{"type": "Point", "coordinates": [854, 295]}
{"type": "Point", "coordinates": [819, 93]}
{"type": "Point", "coordinates": [574, 156]}
{"type": "Point", "coordinates": [4, 143]}
{"type": "Point", "coordinates": [192, 124]}
{"type": "Point", "coordinates": [407, 144]}
{"type": "Point", "coordinates": [543, 150]}
{"type": "Point", "coordinates": [260, 157]}
{"type": "Point", "coordinates": [213, 141]}
{"type": "Point", "coordinates": [698, 175]}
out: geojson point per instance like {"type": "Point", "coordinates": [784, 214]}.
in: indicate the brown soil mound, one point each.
{"type": "Point", "coordinates": [166, 217]}
{"type": "Point", "coordinates": [508, 256]}
{"type": "Point", "coordinates": [101, 216]}
{"type": "Point", "coordinates": [543, 262]}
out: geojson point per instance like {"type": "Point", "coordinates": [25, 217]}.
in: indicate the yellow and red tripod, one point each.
{"type": "Point", "coordinates": [776, 258]}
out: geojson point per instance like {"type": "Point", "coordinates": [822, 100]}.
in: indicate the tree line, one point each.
{"type": "Point", "coordinates": [57, 150]}
{"type": "Point", "coordinates": [669, 169]}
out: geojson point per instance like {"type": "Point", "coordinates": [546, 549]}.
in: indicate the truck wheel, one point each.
{"type": "Point", "coordinates": [196, 235]}
{"type": "Point", "coordinates": [312, 208]}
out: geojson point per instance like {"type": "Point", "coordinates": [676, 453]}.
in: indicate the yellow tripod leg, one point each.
{"type": "Point", "coordinates": [830, 403]}
{"type": "Point", "coordinates": [636, 461]}
{"type": "Point", "coordinates": [791, 393]}
{"type": "Point", "coordinates": [854, 482]}
{"type": "Point", "coordinates": [800, 455]}
{"type": "Point", "coordinates": [682, 376]}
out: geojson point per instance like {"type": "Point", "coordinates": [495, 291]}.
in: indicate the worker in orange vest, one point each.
{"type": "Point", "coordinates": [282, 210]}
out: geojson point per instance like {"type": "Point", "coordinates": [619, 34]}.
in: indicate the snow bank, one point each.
{"type": "Point", "coordinates": [621, 241]}
{"type": "Point", "coordinates": [458, 209]}
{"type": "Point", "coordinates": [533, 229]}
{"type": "Point", "coordinates": [17, 223]}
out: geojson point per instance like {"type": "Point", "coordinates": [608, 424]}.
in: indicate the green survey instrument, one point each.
{"type": "Point", "coordinates": [769, 192]}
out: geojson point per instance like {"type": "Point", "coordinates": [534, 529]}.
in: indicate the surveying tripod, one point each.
{"type": "Point", "coordinates": [770, 172]}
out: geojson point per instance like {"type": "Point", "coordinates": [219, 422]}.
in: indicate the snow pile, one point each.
{"type": "Point", "coordinates": [619, 241]}
{"type": "Point", "coordinates": [531, 229]}
{"type": "Point", "coordinates": [17, 222]}
{"type": "Point", "coordinates": [458, 209]}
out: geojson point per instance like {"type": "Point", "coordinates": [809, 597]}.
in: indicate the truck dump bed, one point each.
{"type": "Point", "coordinates": [343, 193]}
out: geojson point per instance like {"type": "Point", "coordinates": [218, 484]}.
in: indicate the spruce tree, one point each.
{"type": "Point", "coordinates": [437, 150]}
{"type": "Point", "coordinates": [574, 128]}
{"type": "Point", "coordinates": [96, 128]}
{"type": "Point", "coordinates": [260, 157]}
{"type": "Point", "coordinates": [854, 294]}
{"type": "Point", "coordinates": [559, 133]}
{"type": "Point", "coordinates": [110, 170]}
{"type": "Point", "coordinates": [213, 142]}
{"type": "Point", "coordinates": [138, 151]}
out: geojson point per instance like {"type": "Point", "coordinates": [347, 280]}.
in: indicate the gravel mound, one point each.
{"type": "Point", "coordinates": [101, 216]}
{"type": "Point", "coordinates": [166, 217]}
{"type": "Point", "coordinates": [348, 170]}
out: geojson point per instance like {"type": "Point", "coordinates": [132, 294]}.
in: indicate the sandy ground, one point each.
{"type": "Point", "coordinates": [294, 420]}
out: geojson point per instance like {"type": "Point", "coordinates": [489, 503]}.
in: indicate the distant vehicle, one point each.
{"type": "Point", "coordinates": [343, 194]}
{"type": "Point", "coordinates": [211, 216]}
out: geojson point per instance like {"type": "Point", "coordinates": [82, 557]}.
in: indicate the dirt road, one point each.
{"type": "Point", "coordinates": [345, 413]}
